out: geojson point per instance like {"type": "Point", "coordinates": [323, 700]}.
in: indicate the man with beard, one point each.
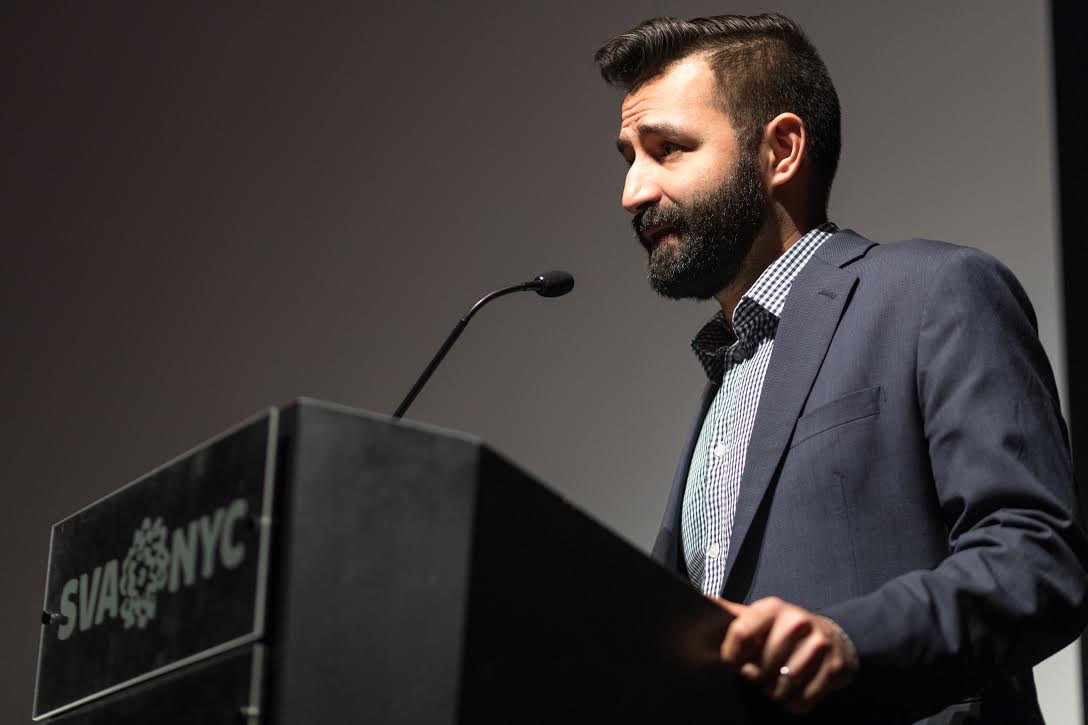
{"type": "Point", "coordinates": [878, 484]}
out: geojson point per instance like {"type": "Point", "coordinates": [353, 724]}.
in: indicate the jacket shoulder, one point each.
{"type": "Point", "coordinates": [926, 252]}
{"type": "Point", "coordinates": [926, 270]}
{"type": "Point", "coordinates": [926, 259]}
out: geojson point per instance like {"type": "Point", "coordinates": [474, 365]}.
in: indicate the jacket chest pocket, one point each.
{"type": "Point", "coordinates": [850, 407]}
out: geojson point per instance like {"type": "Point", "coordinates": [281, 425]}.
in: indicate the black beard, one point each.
{"type": "Point", "coordinates": [714, 231]}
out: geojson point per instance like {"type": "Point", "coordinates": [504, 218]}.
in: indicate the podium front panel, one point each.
{"type": "Point", "coordinates": [167, 571]}
{"type": "Point", "coordinates": [227, 689]}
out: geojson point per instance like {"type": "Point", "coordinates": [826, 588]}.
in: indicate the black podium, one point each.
{"type": "Point", "coordinates": [318, 564]}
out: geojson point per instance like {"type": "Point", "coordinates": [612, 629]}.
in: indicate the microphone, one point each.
{"type": "Point", "coordinates": [553, 284]}
{"type": "Point", "coordinates": [550, 284]}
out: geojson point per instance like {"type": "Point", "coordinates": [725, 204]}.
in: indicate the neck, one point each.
{"type": "Point", "coordinates": [781, 232]}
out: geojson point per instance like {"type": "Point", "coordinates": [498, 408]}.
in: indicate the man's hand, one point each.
{"type": "Point", "coordinates": [799, 657]}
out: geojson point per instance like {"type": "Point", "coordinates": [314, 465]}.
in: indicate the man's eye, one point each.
{"type": "Point", "coordinates": [668, 149]}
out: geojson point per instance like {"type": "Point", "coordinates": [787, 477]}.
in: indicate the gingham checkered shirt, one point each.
{"type": "Point", "coordinates": [736, 359]}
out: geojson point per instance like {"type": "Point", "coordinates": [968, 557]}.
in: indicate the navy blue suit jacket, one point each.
{"type": "Point", "coordinates": [909, 476]}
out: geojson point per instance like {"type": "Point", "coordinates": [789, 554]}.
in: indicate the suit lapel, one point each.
{"type": "Point", "coordinates": [809, 319]}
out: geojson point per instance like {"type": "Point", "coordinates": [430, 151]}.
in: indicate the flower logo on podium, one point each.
{"type": "Point", "coordinates": [143, 573]}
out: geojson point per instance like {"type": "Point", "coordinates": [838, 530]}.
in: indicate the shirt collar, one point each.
{"type": "Point", "coordinates": [758, 311]}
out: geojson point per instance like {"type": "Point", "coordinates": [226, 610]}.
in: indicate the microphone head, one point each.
{"type": "Point", "coordinates": [553, 284]}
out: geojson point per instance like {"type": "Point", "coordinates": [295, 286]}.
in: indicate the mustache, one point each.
{"type": "Point", "coordinates": [656, 215]}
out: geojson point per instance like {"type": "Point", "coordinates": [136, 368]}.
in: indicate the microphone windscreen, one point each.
{"type": "Point", "coordinates": [554, 284]}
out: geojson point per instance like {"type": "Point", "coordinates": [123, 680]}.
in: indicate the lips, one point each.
{"type": "Point", "coordinates": [651, 236]}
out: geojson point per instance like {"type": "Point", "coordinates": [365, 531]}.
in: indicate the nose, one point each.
{"type": "Point", "coordinates": [639, 188]}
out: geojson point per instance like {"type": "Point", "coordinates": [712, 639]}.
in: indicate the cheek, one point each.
{"type": "Point", "coordinates": [717, 168]}
{"type": "Point", "coordinates": [694, 181]}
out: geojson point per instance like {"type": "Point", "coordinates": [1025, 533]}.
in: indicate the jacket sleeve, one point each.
{"type": "Point", "coordinates": [1012, 590]}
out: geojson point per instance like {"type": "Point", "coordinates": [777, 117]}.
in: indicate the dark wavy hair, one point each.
{"type": "Point", "coordinates": [765, 65]}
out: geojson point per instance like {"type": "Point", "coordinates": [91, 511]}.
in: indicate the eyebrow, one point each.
{"type": "Point", "coordinates": [650, 129]}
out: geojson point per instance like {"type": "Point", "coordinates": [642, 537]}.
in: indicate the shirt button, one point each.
{"type": "Point", "coordinates": [713, 550]}
{"type": "Point", "coordinates": [719, 450]}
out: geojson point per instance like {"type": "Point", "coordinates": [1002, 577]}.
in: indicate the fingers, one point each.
{"type": "Point", "coordinates": [732, 607]}
{"type": "Point", "coordinates": [803, 665]}
{"type": "Point", "coordinates": [745, 637]}
{"type": "Point", "coordinates": [788, 638]}
{"type": "Point", "coordinates": [769, 635]}
{"type": "Point", "coordinates": [829, 675]}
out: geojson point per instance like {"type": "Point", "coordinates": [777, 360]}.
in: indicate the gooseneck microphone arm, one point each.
{"type": "Point", "coordinates": [549, 284]}
{"type": "Point", "coordinates": [438, 357]}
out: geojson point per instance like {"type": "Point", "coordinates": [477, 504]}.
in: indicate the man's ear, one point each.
{"type": "Point", "coordinates": [784, 146]}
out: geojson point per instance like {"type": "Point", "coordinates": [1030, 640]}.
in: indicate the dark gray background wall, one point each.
{"type": "Point", "coordinates": [209, 209]}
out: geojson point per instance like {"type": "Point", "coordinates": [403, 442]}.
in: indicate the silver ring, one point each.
{"type": "Point", "coordinates": [784, 670]}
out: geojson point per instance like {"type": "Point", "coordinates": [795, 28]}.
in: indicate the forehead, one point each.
{"type": "Point", "coordinates": [685, 91]}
